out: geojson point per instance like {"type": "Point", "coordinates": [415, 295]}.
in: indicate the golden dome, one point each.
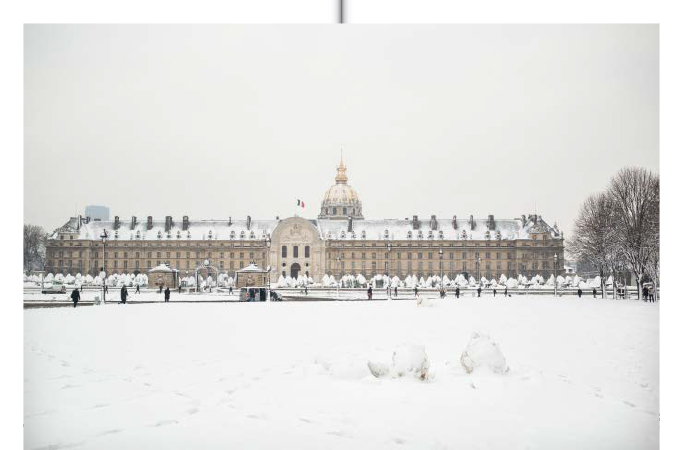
{"type": "Point", "coordinates": [341, 200]}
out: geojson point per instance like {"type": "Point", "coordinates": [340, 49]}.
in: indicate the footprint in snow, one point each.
{"type": "Point", "coordinates": [192, 411]}
{"type": "Point", "coordinates": [629, 404]}
{"type": "Point", "coordinates": [399, 441]}
{"type": "Point", "coordinates": [337, 433]}
{"type": "Point", "coordinates": [165, 422]}
{"type": "Point", "coordinates": [99, 405]}
{"type": "Point", "coordinates": [114, 431]}
{"type": "Point", "coordinates": [305, 420]}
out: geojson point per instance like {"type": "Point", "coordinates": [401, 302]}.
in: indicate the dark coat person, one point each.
{"type": "Point", "coordinates": [167, 294]}
{"type": "Point", "coordinates": [124, 294]}
{"type": "Point", "coordinates": [580, 292]}
{"type": "Point", "coordinates": [494, 292]}
{"type": "Point", "coordinates": [137, 289]}
{"type": "Point", "coordinates": [595, 293]}
{"type": "Point", "coordinates": [369, 292]}
{"type": "Point", "coordinates": [396, 292]}
{"type": "Point", "coordinates": [75, 296]}
{"type": "Point", "coordinates": [506, 291]}
{"type": "Point", "coordinates": [415, 291]}
{"type": "Point", "coordinates": [479, 291]}
{"type": "Point", "coordinates": [457, 292]}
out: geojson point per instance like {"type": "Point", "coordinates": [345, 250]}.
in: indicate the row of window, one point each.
{"type": "Point", "coordinates": [295, 251]}
{"type": "Point", "coordinates": [137, 264]}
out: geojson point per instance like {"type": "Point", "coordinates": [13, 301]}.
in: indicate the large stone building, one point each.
{"type": "Point", "coordinates": [339, 242]}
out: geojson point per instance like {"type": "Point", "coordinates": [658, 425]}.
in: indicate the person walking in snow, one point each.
{"type": "Point", "coordinates": [75, 296]}
{"type": "Point", "coordinates": [396, 292]}
{"type": "Point", "coordinates": [369, 292]}
{"type": "Point", "coordinates": [415, 291]}
{"type": "Point", "coordinates": [494, 292]}
{"type": "Point", "coordinates": [230, 290]}
{"type": "Point", "coordinates": [137, 288]}
{"type": "Point", "coordinates": [506, 291]}
{"type": "Point", "coordinates": [580, 292]}
{"type": "Point", "coordinates": [305, 289]}
{"type": "Point", "coordinates": [457, 292]}
{"type": "Point", "coordinates": [595, 293]}
{"type": "Point", "coordinates": [479, 291]}
{"type": "Point", "coordinates": [124, 294]}
{"type": "Point", "coordinates": [167, 294]}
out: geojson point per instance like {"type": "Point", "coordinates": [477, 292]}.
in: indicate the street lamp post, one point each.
{"type": "Point", "coordinates": [441, 265]}
{"type": "Point", "coordinates": [389, 270]}
{"type": "Point", "coordinates": [555, 274]}
{"type": "Point", "coordinates": [338, 273]}
{"type": "Point", "coordinates": [104, 236]}
{"type": "Point", "coordinates": [268, 242]}
{"type": "Point", "coordinates": [478, 269]}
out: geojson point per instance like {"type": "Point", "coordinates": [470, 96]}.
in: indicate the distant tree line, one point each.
{"type": "Point", "coordinates": [35, 239]}
{"type": "Point", "coordinates": [617, 229]}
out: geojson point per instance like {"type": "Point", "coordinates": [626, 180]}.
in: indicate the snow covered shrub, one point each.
{"type": "Point", "coordinates": [482, 352]}
{"type": "Point", "coordinates": [407, 360]}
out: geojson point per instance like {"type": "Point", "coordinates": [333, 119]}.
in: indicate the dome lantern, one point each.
{"type": "Point", "coordinates": [340, 200]}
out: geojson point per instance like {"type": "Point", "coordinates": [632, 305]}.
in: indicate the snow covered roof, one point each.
{"type": "Point", "coordinates": [328, 229]}
{"type": "Point", "coordinates": [252, 268]}
{"type": "Point", "coordinates": [402, 229]}
{"type": "Point", "coordinates": [197, 230]}
{"type": "Point", "coordinates": [162, 268]}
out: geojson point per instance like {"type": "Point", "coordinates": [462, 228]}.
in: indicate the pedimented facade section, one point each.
{"type": "Point", "coordinates": [296, 249]}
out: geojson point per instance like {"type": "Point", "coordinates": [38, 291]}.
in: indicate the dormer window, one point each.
{"type": "Point", "coordinates": [487, 235]}
{"type": "Point", "coordinates": [362, 234]}
{"type": "Point", "coordinates": [431, 234]}
{"type": "Point", "coordinates": [242, 234]}
{"type": "Point", "coordinates": [159, 234]}
{"type": "Point", "coordinates": [137, 234]}
{"type": "Point", "coordinates": [353, 235]}
{"type": "Point", "coordinates": [410, 234]}
{"type": "Point", "coordinates": [188, 234]}
{"type": "Point", "coordinates": [178, 235]}
{"type": "Point", "coordinates": [440, 234]}
{"type": "Point", "coordinates": [343, 234]}
{"type": "Point", "coordinates": [252, 235]}
{"type": "Point", "coordinates": [498, 235]}
{"type": "Point", "coordinates": [419, 234]}
{"type": "Point", "coordinates": [232, 234]}
{"type": "Point", "coordinates": [463, 235]}
{"type": "Point", "coordinates": [386, 234]}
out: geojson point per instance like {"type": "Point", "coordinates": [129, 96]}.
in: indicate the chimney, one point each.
{"type": "Point", "coordinates": [471, 222]}
{"type": "Point", "coordinates": [168, 224]}
{"type": "Point", "coordinates": [229, 220]}
{"type": "Point", "coordinates": [80, 218]}
{"type": "Point", "coordinates": [416, 224]}
{"type": "Point", "coordinates": [349, 227]}
{"type": "Point", "coordinates": [186, 223]}
{"type": "Point", "coordinates": [455, 223]}
{"type": "Point", "coordinates": [133, 222]}
{"type": "Point", "coordinates": [248, 222]}
{"type": "Point", "coordinates": [117, 222]}
{"type": "Point", "coordinates": [491, 223]}
{"type": "Point", "coordinates": [432, 223]}
{"type": "Point", "coordinates": [149, 222]}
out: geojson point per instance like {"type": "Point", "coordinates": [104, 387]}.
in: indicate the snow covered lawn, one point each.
{"type": "Point", "coordinates": [582, 374]}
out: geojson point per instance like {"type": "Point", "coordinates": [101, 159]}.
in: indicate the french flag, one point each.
{"type": "Point", "coordinates": [300, 203]}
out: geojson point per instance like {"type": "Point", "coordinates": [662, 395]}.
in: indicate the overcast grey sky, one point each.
{"type": "Point", "coordinates": [230, 120]}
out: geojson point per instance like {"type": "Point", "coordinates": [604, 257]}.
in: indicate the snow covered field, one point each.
{"type": "Point", "coordinates": [582, 374]}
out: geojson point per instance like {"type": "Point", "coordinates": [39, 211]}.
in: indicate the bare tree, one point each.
{"type": "Point", "coordinates": [34, 247]}
{"type": "Point", "coordinates": [634, 193]}
{"type": "Point", "coordinates": [594, 235]}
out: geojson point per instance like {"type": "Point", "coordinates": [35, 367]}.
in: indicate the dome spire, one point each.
{"type": "Point", "coordinates": [341, 171]}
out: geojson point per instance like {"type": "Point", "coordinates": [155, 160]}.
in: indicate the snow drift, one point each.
{"type": "Point", "coordinates": [483, 353]}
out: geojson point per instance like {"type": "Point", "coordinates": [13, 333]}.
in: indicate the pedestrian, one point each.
{"type": "Point", "coordinates": [180, 288]}
{"type": "Point", "coordinates": [442, 293]}
{"type": "Point", "coordinates": [506, 291]}
{"type": "Point", "coordinates": [494, 292]}
{"type": "Point", "coordinates": [75, 296]}
{"type": "Point", "coordinates": [106, 289]}
{"type": "Point", "coordinates": [369, 292]}
{"type": "Point", "coordinates": [161, 287]}
{"type": "Point", "coordinates": [645, 295]}
{"type": "Point", "coordinates": [137, 288]}
{"type": "Point", "coordinates": [230, 290]}
{"type": "Point", "coordinates": [396, 291]}
{"type": "Point", "coordinates": [167, 294]}
{"type": "Point", "coordinates": [595, 293]}
{"type": "Point", "coordinates": [124, 294]}
{"type": "Point", "coordinates": [457, 292]}
{"type": "Point", "coordinates": [81, 288]}
{"type": "Point", "coordinates": [479, 291]}
{"type": "Point", "coordinates": [415, 291]}
{"type": "Point", "coordinates": [580, 292]}
{"type": "Point", "coordinates": [305, 289]}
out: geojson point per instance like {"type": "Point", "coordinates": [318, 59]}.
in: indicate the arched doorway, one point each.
{"type": "Point", "coordinates": [294, 270]}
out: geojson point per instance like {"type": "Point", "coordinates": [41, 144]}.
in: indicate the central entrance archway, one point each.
{"type": "Point", "coordinates": [294, 270]}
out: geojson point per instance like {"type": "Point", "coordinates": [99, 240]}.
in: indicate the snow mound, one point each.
{"type": "Point", "coordinates": [408, 360]}
{"type": "Point", "coordinates": [483, 353]}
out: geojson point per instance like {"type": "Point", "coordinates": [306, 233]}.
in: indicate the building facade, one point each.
{"type": "Point", "coordinates": [340, 241]}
